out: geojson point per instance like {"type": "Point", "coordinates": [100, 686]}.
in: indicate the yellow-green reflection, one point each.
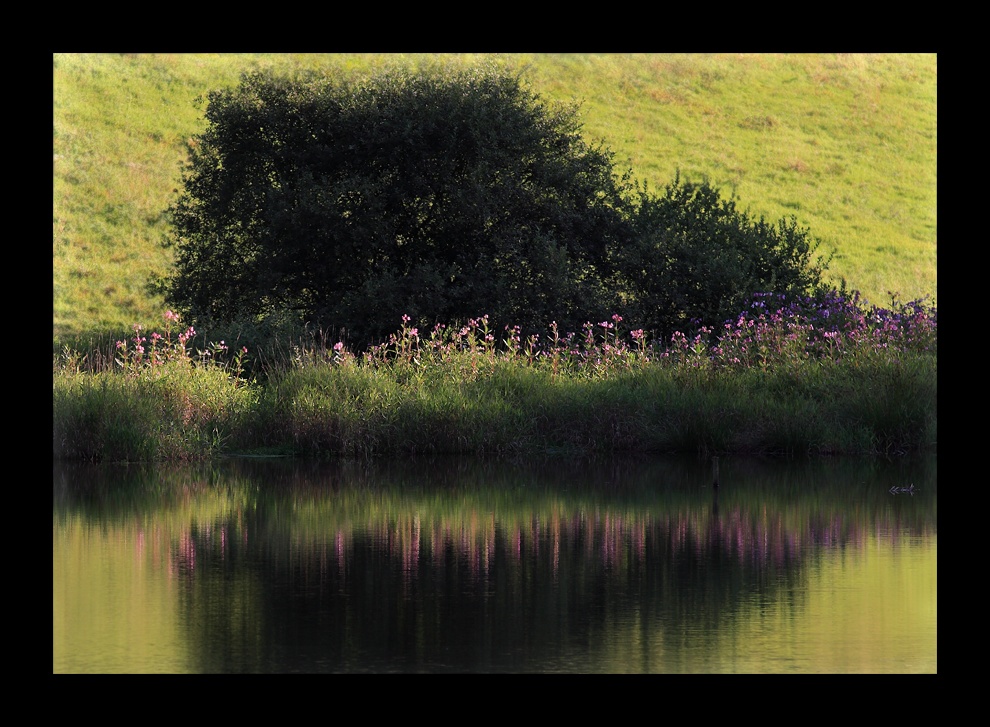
{"type": "Point", "coordinates": [117, 569]}
{"type": "Point", "coordinates": [848, 617]}
{"type": "Point", "coordinates": [114, 604]}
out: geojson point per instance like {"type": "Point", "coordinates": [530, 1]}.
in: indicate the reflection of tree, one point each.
{"type": "Point", "coordinates": [350, 568]}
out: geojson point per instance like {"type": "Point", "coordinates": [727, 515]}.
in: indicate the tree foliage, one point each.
{"type": "Point", "coordinates": [443, 195]}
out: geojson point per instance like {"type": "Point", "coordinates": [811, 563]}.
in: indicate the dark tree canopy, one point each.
{"type": "Point", "coordinates": [440, 195]}
{"type": "Point", "coordinates": [445, 195]}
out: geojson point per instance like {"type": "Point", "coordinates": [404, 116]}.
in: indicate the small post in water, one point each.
{"type": "Point", "coordinates": [714, 471]}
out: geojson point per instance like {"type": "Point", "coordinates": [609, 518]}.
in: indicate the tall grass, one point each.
{"type": "Point", "coordinates": [826, 376]}
{"type": "Point", "coordinates": [155, 401]}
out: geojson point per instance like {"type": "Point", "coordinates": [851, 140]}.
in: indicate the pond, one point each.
{"type": "Point", "coordinates": [453, 565]}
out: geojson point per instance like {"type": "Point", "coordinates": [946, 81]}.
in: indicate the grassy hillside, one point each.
{"type": "Point", "coordinates": [846, 143]}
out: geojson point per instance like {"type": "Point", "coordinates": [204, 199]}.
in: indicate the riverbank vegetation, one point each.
{"type": "Point", "coordinates": [827, 376]}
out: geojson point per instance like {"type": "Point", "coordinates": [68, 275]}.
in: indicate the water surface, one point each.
{"type": "Point", "coordinates": [628, 565]}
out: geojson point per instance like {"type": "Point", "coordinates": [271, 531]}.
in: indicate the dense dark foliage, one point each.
{"type": "Point", "coordinates": [437, 195]}
{"type": "Point", "coordinates": [696, 259]}
{"type": "Point", "coordinates": [444, 195]}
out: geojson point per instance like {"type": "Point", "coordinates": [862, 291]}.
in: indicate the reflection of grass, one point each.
{"type": "Point", "coordinates": [109, 600]}
{"type": "Point", "coordinates": [847, 623]}
{"type": "Point", "coordinates": [468, 508]}
{"type": "Point", "coordinates": [312, 498]}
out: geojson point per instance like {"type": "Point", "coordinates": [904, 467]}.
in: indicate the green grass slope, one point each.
{"type": "Point", "coordinates": [845, 143]}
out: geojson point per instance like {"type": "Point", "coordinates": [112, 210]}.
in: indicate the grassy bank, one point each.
{"type": "Point", "coordinates": [830, 378]}
{"type": "Point", "coordinates": [846, 143]}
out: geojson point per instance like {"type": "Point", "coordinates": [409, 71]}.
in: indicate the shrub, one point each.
{"type": "Point", "coordinates": [696, 260]}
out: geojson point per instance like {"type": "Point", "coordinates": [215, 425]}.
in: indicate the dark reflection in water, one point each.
{"type": "Point", "coordinates": [467, 565]}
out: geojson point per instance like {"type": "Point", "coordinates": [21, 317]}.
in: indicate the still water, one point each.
{"type": "Point", "coordinates": [630, 565]}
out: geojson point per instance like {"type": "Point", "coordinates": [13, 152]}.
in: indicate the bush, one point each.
{"type": "Point", "coordinates": [440, 194]}
{"type": "Point", "coordinates": [696, 260]}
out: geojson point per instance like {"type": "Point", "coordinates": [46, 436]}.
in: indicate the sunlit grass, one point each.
{"type": "Point", "coordinates": [846, 143]}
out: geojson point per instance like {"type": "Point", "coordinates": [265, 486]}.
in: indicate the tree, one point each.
{"type": "Point", "coordinates": [439, 194]}
{"type": "Point", "coordinates": [695, 259]}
